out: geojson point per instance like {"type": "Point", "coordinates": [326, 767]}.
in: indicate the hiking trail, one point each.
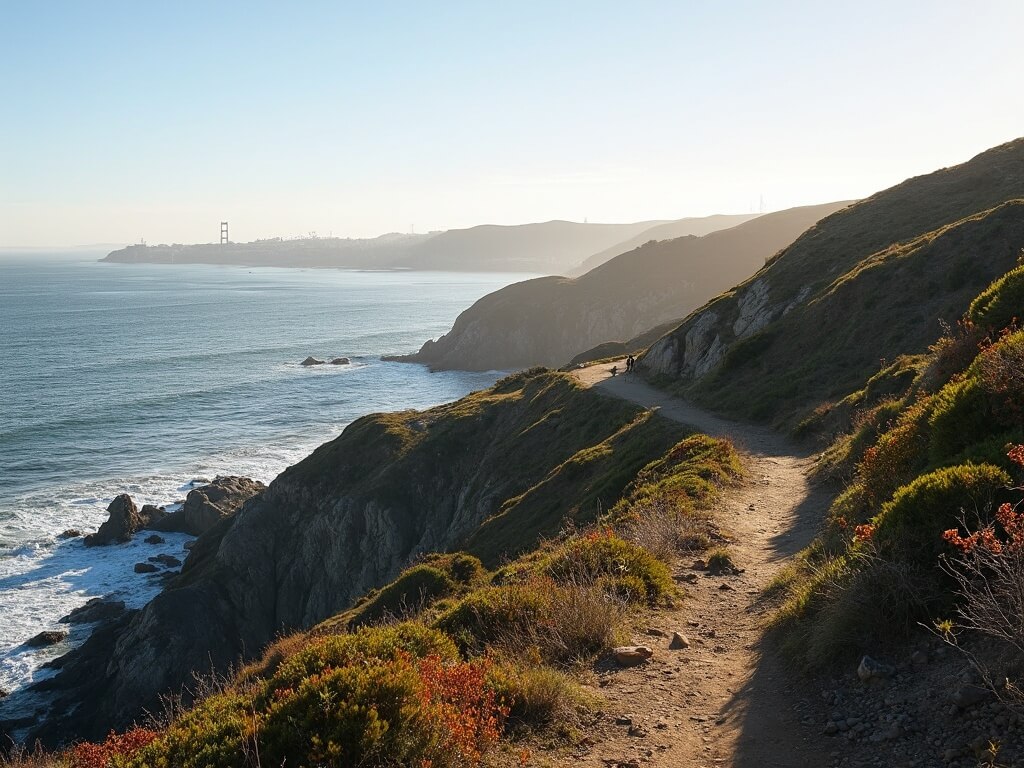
{"type": "Point", "coordinates": [726, 700]}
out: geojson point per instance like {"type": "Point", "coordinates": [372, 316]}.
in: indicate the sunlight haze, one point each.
{"type": "Point", "coordinates": [125, 121]}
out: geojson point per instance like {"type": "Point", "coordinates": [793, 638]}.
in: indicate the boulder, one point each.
{"type": "Point", "coordinates": [970, 694]}
{"type": "Point", "coordinates": [123, 521]}
{"type": "Point", "coordinates": [43, 639]}
{"type": "Point", "coordinates": [311, 361]}
{"type": "Point", "coordinates": [206, 506]}
{"type": "Point", "coordinates": [632, 655]}
{"type": "Point", "coordinates": [70, 533]}
{"type": "Point", "coordinates": [4, 693]}
{"type": "Point", "coordinates": [169, 560]}
{"type": "Point", "coordinates": [340, 361]}
{"type": "Point", "coordinates": [154, 539]}
{"type": "Point", "coordinates": [145, 568]}
{"type": "Point", "coordinates": [97, 609]}
{"type": "Point", "coordinates": [150, 514]}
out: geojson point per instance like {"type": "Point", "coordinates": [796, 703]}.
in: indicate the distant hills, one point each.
{"type": "Point", "coordinates": [867, 284]}
{"type": "Point", "coordinates": [548, 320]}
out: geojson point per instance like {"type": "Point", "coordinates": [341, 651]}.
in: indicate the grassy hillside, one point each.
{"type": "Point", "coordinates": [871, 281]}
{"type": "Point", "coordinates": [932, 454]}
{"type": "Point", "coordinates": [448, 660]}
{"type": "Point", "coordinates": [549, 320]}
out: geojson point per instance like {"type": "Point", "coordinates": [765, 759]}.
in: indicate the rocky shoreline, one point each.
{"type": "Point", "coordinates": [204, 507]}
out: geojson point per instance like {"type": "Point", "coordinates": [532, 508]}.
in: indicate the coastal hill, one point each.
{"type": "Point", "coordinates": [870, 282]}
{"type": "Point", "coordinates": [551, 247]}
{"type": "Point", "coordinates": [700, 226]}
{"type": "Point", "coordinates": [548, 320]}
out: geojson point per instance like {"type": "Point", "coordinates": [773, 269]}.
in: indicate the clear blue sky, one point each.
{"type": "Point", "coordinates": [121, 120]}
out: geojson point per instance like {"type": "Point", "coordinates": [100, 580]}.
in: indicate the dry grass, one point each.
{"type": "Point", "coordinates": [666, 530]}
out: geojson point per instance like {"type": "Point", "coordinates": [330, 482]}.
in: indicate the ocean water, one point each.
{"type": "Point", "coordinates": [143, 378]}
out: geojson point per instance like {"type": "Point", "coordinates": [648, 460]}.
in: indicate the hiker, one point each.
{"type": "Point", "coordinates": [629, 364]}
{"type": "Point", "coordinates": [615, 369]}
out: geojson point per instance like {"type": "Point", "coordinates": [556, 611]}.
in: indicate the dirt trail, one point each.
{"type": "Point", "coordinates": [724, 701]}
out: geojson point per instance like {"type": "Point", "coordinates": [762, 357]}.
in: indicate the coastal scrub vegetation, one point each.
{"type": "Point", "coordinates": [919, 467]}
{"type": "Point", "coordinates": [450, 658]}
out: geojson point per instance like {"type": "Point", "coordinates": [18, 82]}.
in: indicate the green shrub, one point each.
{"type": "Point", "coordinates": [220, 731]}
{"type": "Point", "coordinates": [535, 694]}
{"type": "Point", "coordinates": [1001, 302]}
{"type": "Point", "coordinates": [961, 415]}
{"type": "Point", "coordinates": [487, 615]}
{"type": "Point", "coordinates": [603, 556]}
{"type": "Point", "coordinates": [910, 525]}
{"type": "Point", "coordinates": [383, 642]}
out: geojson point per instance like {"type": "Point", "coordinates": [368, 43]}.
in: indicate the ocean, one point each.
{"type": "Point", "coordinates": [144, 379]}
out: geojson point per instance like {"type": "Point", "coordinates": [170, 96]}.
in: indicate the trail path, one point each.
{"type": "Point", "coordinates": [725, 700]}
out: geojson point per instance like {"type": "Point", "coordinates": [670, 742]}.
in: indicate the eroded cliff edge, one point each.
{"type": "Point", "coordinates": [488, 474]}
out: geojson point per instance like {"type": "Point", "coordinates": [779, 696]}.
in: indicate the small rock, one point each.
{"type": "Point", "coordinates": [632, 655]}
{"type": "Point", "coordinates": [70, 533]}
{"type": "Point", "coordinates": [154, 539]}
{"type": "Point", "coordinates": [637, 730]}
{"type": "Point", "coordinates": [831, 728]}
{"type": "Point", "coordinates": [150, 514]}
{"type": "Point", "coordinates": [169, 560]}
{"type": "Point", "coordinates": [725, 587]}
{"type": "Point", "coordinates": [340, 361]}
{"type": "Point", "coordinates": [43, 639]}
{"type": "Point", "coordinates": [919, 658]}
{"type": "Point", "coordinates": [653, 632]}
{"type": "Point", "coordinates": [145, 568]}
{"type": "Point", "coordinates": [870, 669]}
{"type": "Point", "coordinates": [311, 361]}
{"type": "Point", "coordinates": [623, 720]}
{"type": "Point", "coordinates": [679, 641]}
{"type": "Point", "coordinates": [969, 695]}
{"type": "Point", "coordinates": [4, 693]}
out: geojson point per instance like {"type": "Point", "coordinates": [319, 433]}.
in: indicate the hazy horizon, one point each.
{"type": "Point", "coordinates": [129, 122]}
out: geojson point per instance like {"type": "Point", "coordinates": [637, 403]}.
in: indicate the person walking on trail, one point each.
{"type": "Point", "coordinates": [615, 369]}
{"type": "Point", "coordinates": [629, 364]}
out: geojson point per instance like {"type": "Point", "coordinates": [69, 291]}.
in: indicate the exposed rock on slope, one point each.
{"type": "Point", "coordinates": [868, 282]}
{"type": "Point", "coordinates": [489, 474]}
{"type": "Point", "coordinates": [549, 320]}
{"type": "Point", "coordinates": [206, 506]}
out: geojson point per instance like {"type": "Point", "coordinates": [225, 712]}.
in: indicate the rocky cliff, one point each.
{"type": "Point", "coordinates": [489, 474]}
{"type": "Point", "coordinates": [549, 320]}
{"type": "Point", "coordinates": [871, 281]}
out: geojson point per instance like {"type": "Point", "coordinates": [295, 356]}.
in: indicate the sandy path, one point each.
{"type": "Point", "coordinates": [723, 701]}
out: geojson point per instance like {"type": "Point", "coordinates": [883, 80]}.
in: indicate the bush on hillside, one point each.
{"type": "Point", "coordinates": [910, 525]}
{"type": "Point", "coordinates": [629, 570]}
{"type": "Point", "coordinates": [999, 304]}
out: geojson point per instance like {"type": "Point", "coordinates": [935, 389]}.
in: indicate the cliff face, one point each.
{"type": "Point", "coordinates": [868, 282]}
{"type": "Point", "coordinates": [549, 320]}
{"type": "Point", "coordinates": [349, 517]}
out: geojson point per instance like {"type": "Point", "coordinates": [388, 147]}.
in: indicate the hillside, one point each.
{"type": "Point", "coordinates": [697, 226]}
{"type": "Point", "coordinates": [550, 248]}
{"type": "Point", "coordinates": [490, 473]}
{"type": "Point", "coordinates": [548, 320]}
{"type": "Point", "coordinates": [867, 283]}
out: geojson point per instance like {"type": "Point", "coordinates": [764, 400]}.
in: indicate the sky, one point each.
{"type": "Point", "coordinates": [124, 121]}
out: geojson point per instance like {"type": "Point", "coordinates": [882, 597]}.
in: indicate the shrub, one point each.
{"type": "Point", "coordinates": [116, 747]}
{"type": "Point", "coordinates": [535, 694]}
{"type": "Point", "coordinates": [394, 712]}
{"type": "Point", "coordinates": [629, 569]}
{"type": "Point", "coordinates": [910, 525]}
{"type": "Point", "coordinates": [961, 414]}
{"type": "Point", "coordinates": [897, 454]}
{"type": "Point", "coordinates": [407, 595]}
{"type": "Point", "coordinates": [719, 560]}
{"type": "Point", "coordinates": [485, 615]}
{"type": "Point", "coordinates": [998, 305]}
{"type": "Point", "coordinates": [1000, 372]}
{"type": "Point", "coordinates": [384, 642]}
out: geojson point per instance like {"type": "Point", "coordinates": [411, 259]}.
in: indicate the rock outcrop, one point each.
{"type": "Point", "coordinates": [480, 474]}
{"type": "Point", "coordinates": [96, 610]}
{"type": "Point", "coordinates": [44, 639]}
{"type": "Point", "coordinates": [123, 521]}
{"type": "Point", "coordinates": [310, 361]}
{"type": "Point", "coordinates": [204, 507]}
{"type": "Point", "coordinates": [550, 320]}
{"type": "Point", "coordinates": [340, 361]}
